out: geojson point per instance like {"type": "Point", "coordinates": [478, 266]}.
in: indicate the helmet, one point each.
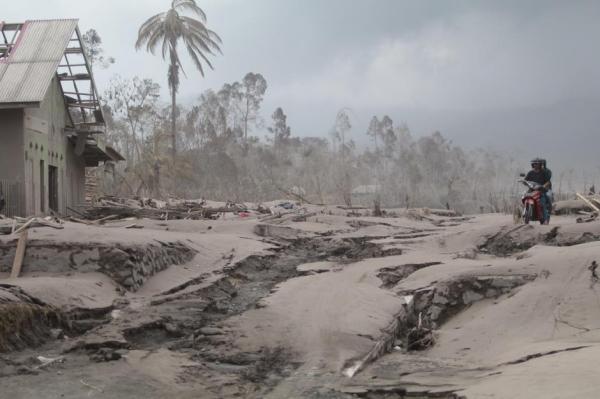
{"type": "Point", "coordinates": [539, 161]}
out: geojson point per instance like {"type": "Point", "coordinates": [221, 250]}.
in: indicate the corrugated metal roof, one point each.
{"type": "Point", "coordinates": [26, 75]}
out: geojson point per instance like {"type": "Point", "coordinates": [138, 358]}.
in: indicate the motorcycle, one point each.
{"type": "Point", "coordinates": [532, 203]}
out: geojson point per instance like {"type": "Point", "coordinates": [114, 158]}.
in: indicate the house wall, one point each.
{"type": "Point", "coordinates": [11, 148]}
{"type": "Point", "coordinates": [46, 145]}
{"type": "Point", "coordinates": [12, 172]}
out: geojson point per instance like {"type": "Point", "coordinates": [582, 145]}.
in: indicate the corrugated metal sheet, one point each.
{"type": "Point", "coordinates": [26, 75]}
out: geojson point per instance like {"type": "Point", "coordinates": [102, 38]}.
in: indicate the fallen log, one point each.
{"type": "Point", "coordinates": [567, 207]}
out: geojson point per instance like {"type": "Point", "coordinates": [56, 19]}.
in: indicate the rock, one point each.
{"type": "Point", "coordinates": [122, 352]}
{"type": "Point", "coordinates": [57, 333]}
{"type": "Point", "coordinates": [504, 282]}
{"type": "Point", "coordinates": [217, 339]}
{"type": "Point", "coordinates": [210, 331]}
{"type": "Point", "coordinates": [128, 282]}
{"type": "Point", "coordinates": [469, 297]}
{"type": "Point", "coordinates": [435, 312]}
{"type": "Point", "coordinates": [121, 303]}
{"type": "Point", "coordinates": [440, 299]}
{"type": "Point", "coordinates": [24, 370]}
{"type": "Point", "coordinates": [173, 330]}
{"type": "Point", "coordinates": [105, 355]}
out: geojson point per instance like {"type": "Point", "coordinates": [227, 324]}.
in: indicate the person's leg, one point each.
{"type": "Point", "coordinates": [550, 197]}
{"type": "Point", "coordinates": [546, 205]}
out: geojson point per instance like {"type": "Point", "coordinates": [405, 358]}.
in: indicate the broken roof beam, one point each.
{"type": "Point", "coordinates": [8, 44]}
{"type": "Point", "coordinates": [85, 104]}
{"type": "Point", "coordinates": [78, 76]}
{"type": "Point", "coordinates": [11, 26]}
{"type": "Point", "coordinates": [86, 100]}
{"type": "Point", "coordinates": [98, 114]}
{"type": "Point", "coordinates": [73, 50]}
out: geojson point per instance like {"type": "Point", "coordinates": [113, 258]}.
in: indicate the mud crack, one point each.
{"type": "Point", "coordinates": [391, 276]}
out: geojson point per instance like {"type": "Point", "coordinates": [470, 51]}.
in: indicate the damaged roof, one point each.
{"type": "Point", "coordinates": [26, 73]}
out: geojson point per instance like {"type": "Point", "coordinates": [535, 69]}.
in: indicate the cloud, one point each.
{"type": "Point", "coordinates": [477, 60]}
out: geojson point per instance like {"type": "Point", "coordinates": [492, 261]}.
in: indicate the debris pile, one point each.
{"type": "Point", "coordinates": [18, 225]}
{"type": "Point", "coordinates": [588, 206]}
{"type": "Point", "coordinates": [122, 208]}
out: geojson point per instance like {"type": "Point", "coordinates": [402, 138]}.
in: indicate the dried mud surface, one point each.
{"type": "Point", "coordinates": [330, 306]}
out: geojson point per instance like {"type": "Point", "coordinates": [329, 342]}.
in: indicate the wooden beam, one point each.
{"type": "Point", "coordinates": [73, 50]}
{"type": "Point", "coordinates": [589, 203]}
{"type": "Point", "coordinates": [75, 77]}
{"type": "Point", "coordinates": [19, 254]}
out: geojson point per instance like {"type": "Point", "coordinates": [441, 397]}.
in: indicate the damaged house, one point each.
{"type": "Point", "coordinates": [51, 123]}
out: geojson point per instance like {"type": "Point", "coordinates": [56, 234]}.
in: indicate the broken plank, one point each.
{"type": "Point", "coordinates": [19, 254]}
{"type": "Point", "coordinates": [25, 226]}
{"type": "Point", "coordinates": [134, 226]}
{"type": "Point", "coordinates": [589, 203]}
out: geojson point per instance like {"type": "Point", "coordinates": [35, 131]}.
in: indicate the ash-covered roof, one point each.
{"type": "Point", "coordinates": [26, 73]}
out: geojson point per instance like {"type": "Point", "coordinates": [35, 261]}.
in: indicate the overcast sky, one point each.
{"type": "Point", "coordinates": [475, 70]}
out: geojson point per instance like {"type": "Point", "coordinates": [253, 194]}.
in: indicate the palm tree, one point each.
{"type": "Point", "coordinates": [164, 30]}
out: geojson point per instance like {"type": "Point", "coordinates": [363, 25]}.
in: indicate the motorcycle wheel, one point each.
{"type": "Point", "coordinates": [527, 214]}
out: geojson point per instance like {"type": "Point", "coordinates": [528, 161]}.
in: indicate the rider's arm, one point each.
{"type": "Point", "coordinates": [548, 175]}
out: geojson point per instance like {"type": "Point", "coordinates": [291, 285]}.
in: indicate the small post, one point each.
{"type": "Point", "coordinates": [19, 254]}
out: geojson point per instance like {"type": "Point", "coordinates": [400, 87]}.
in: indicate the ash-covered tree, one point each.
{"type": "Point", "coordinates": [165, 31]}
{"type": "Point", "coordinates": [92, 44]}
{"type": "Point", "coordinates": [134, 125]}
{"type": "Point", "coordinates": [279, 129]}
{"type": "Point", "coordinates": [374, 131]}
{"type": "Point", "coordinates": [341, 128]}
{"type": "Point", "coordinates": [254, 86]}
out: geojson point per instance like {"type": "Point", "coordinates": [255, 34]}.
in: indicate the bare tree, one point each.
{"type": "Point", "coordinates": [92, 44]}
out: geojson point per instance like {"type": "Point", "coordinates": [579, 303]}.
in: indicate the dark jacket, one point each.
{"type": "Point", "coordinates": [542, 177]}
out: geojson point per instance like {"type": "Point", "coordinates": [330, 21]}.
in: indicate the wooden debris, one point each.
{"type": "Point", "coordinates": [25, 226]}
{"type": "Point", "coordinates": [134, 226]}
{"type": "Point", "coordinates": [16, 225]}
{"type": "Point", "coordinates": [19, 254]}
{"type": "Point", "coordinates": [444, 212]}
{"type": "Point", "coordinates": [111, 208]}
{"type": "Point", "coordinates": [567, 207]}
{"type": "Point", "coordinates": [588, 202]}
{"type": "Point", "coordinates": [589, 218]}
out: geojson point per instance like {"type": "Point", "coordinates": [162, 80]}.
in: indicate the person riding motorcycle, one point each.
{"type": "Point", "coordinates": [542, 176]}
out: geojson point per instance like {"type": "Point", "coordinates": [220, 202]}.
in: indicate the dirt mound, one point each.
{"type": "Point", "coordinates": [510, 240]}
{"type": "Point", "coordinates": [24, 321]}
{"type": "Point", "coordinates": [447, 298]}
{"type": "Point", "coordinates": [127, 264]}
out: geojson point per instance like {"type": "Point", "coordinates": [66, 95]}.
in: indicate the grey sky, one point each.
{"type": "Point", "coordinates": [453, 66]}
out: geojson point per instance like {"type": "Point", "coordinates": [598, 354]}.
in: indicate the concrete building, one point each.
{"type": "Point", "coordinates": [51, 123]}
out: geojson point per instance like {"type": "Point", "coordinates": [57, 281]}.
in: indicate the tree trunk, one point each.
{"type": "Point", "coordinates": [173, 123]}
